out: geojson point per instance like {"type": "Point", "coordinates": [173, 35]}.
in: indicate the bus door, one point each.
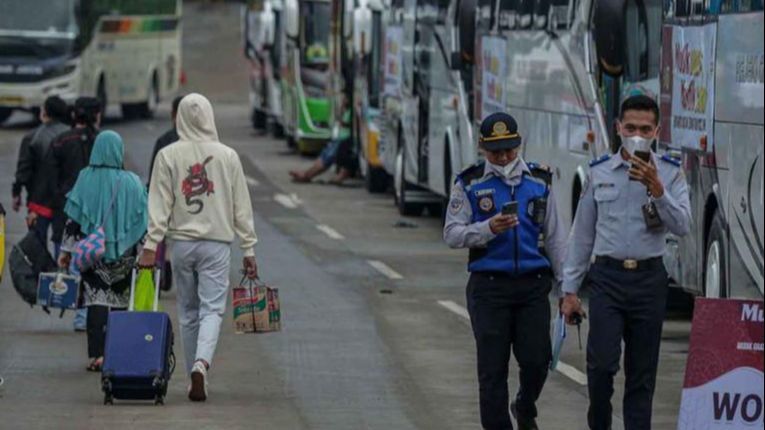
{"type": "Point", "coordinates": [630, 65]}
{"type": "Point", "coordinates": [424, 51]}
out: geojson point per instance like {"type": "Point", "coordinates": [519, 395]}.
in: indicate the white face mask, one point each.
{"type": "Point", "coordinates": [636, 143]}
{"type": "Point", "coordinates": [509, 167]}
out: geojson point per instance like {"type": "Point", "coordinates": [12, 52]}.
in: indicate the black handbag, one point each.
{"type": "Point", "coordinates": [26, 261]}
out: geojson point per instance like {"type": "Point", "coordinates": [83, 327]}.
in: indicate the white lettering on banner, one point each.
{"type": "Point", "coordinates": [752, 312]}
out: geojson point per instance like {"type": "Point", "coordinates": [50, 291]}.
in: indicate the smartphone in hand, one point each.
{"type": "Point", "coordinates": [510, 208]}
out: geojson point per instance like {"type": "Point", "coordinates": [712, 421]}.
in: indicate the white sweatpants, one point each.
{"type": "Point", "coordinates": [201, 277]}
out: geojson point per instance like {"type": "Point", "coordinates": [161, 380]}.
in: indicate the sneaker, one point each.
{"type": "Point", "coordinates": [198, 388]}
{"type": "Point", "coordinates": [524, 423]}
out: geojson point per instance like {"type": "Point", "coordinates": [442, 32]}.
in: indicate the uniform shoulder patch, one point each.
{"type": "Point", "coordinates": [600, 160]}
{"type": "Point", "coordinates": [472, 172]}
{"type": "Point", "coordinates": [541, 171]}
{"type": "Point", "coordinates": [671, 160]}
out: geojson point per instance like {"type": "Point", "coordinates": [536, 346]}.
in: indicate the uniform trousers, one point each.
{"type": "Point", "coordinates": [629, 306]}
{"type": "Point", "coordinates": [510, 313]}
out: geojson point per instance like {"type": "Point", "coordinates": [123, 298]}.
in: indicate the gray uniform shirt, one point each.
{"type": "Point", "coordinates": [461, 232]}
{"type": "Point", "coordinates": [609, 219]}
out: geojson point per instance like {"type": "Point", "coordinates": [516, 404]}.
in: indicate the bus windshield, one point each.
{"type": "Point", "coordinates": [316, 21]}
{"type": "Point", "coordinates": [38, 18]}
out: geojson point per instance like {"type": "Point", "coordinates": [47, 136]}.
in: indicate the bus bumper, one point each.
{"type": "Point", "coordinates": [28, 96]}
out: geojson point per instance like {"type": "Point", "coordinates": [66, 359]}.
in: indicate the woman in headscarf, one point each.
{"type": "Point", "coordinates": [105, 194]}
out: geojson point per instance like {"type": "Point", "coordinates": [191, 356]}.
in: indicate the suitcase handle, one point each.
{"type": "Point", "coordinates": [131, 302]}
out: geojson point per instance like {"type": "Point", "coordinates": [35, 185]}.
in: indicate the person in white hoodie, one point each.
{"type": "Point", "coordinates": [198, 200]}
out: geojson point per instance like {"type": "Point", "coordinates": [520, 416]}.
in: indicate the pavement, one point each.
{"type": "Point", "coordinates": [374, 335]}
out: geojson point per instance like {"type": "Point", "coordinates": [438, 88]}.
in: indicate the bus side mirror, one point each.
{"type": "Point", "coordinates": [466, 22]}
{"type": "Point", "coordinates": [292, 18]}
{"type": "Point", "coordinates": [608, 24]}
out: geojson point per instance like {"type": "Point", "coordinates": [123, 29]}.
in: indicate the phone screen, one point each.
{"type": "Point", "coordinates": [643, 155]}
{"type": "Point", "coordinates": [510, 208]}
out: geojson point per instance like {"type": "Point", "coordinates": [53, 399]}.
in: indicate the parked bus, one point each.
{"type": "Point", "coordinates": [712, 98]}
{"type": "Point", "coordinates": [369, 34]}
{"type": "Point", "coordinates": [430, 128]}
{"type": "Point", "coordinates": [263, 30]}
{"type": "Point", "coordinates": [305, 94]}
{"type": "Point", "coordinates": [567, 67]}
{"type": "Point", "coordinates": [126, 53]}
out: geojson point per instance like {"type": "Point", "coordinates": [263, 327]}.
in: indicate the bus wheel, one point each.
{"type": "Point", "coordinates": [401, 187]}
{"type": "Point", "coordinates": [259, 119]}
{"type": "Point", "coordinates": [146, 109]}
{"type": "Point", "coordinates": [5, 113]}
{"type": "Point", "coordinates": [715, 279]}
{"type": "Point", "coordinates": [376, 179]}
{"type": "Point", "coordinates": [101, 96]}
{"type": "Point", "coordinates": [277, 130]}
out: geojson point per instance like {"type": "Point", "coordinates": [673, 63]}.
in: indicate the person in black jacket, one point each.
{"type": "Point", "coordinates": [33, 167]}
{"type": "Point", "coordinates": [70, 153]}
{"type": "Point", "coordinates": [168, 137]}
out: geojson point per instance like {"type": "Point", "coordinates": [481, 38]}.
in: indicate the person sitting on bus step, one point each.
{"type": "Point", "coordinates": [503, 210]}
{"type": "Point", "coordinates": [627, 207]}
{"type": "Point", "coordinates": [328, 157]}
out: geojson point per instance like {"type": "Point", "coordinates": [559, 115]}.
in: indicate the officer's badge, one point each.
{"type": "Point", "coordinates": [486, 204]}
{"type": "Point", "coordinates": [499, 128]}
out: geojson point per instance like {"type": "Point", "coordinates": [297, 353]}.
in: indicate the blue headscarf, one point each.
{"type": "Point", "coordinates": [89, 201]}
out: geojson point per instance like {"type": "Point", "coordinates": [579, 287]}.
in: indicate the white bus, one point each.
{"type": "Point", "coordinates": [263, 31]}
{"type": "Point", "coordinates": [567, 65]}
{"type": "Point", "coordinates": [369, 38]}
{"type": "Point", "coordinates": [712, 98]}
{"type": "Point", "coordinates": [426, 102]}
{"type": "Point", "coordinates": [123, 52]}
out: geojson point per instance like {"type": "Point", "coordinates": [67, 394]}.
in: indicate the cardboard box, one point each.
{"type": "Point", "coordinates": [256, 309]}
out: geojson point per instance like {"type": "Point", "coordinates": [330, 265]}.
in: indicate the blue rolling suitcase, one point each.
{"type": "Point", "coordinates": [138, 355]}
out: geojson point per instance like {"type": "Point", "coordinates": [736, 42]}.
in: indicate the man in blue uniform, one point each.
{"type": "Point", "coordinates": [503, 211]}
{"type": "Point", "coordinates": [626, 210]}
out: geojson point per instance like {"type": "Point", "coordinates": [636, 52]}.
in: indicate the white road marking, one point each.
{"type": "Point", "coordinates": [329, 231]}
{"type": "Point", "coordinates": [285, 201]}
{"type": "Point", "coordinates": [457, 309]}
{"type": "Point", "coordinates": [385, 269]}
{"type": "Point", "coordinates": [565, 369]}
{"type": "Point", "coordinates": [252, 181]}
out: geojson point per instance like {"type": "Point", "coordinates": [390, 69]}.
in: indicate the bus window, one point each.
{"type": "Point", "coordinates": [485, 15]}
{"type": "Point", "coordinates": [643, 33]}
{"type": "Point", "coordinates": [507, 14]}
{"type": "Point", "coordinates": [316, 34]}
{"type": "Point", "coordinates": [525, 14]}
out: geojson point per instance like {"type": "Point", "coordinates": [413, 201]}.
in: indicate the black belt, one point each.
{"type": "Point", "coordinates": [630, 264]}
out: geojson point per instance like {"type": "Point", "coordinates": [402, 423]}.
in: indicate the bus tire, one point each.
{"type": "Point", "coordinates": [259, 119]}
{"type": "Point", "coordinates": [715, 259]}
{"type": "Point", "coordinates": [102, 97]}
{"type": "Point", "coordinates": [401, 187]}
{"type": "Point", "coordinates": [277, 130]}
{"type": "Point", "coordinates": [376, 179]}
{"type": "Point", "coordinates": [5, 113]}
{"type": "Point", "coordinates": [146, 109]}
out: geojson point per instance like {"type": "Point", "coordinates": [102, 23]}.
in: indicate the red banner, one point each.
{"type": "Point", "coordinates": [723, 386]}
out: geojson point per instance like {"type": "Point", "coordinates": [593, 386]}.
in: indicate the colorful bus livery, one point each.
{"type": "Point", "coordinates": [126, 53]}
{"type": "Point", "coordinates": [138, 25]}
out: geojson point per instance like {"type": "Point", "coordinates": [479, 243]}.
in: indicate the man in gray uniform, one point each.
{"type": "Point", "coordinates": [504, 212]}
{"type": "Point", "coordinates": [626, 210]}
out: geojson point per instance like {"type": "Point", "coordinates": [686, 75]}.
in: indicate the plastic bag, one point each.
{"type": "Point", "coordinates": [143, 301]}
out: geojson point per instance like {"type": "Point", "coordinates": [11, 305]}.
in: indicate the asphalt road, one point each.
{"type": "Point", "coordinates": [375, 334]}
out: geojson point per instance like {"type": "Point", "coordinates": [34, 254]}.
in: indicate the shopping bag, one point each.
{"type": "Point", "coordinates": [256, 308]}
{"type": "Point", "coordinates": [58, 290]}
{"type": "Point", "coordinates": [145, 291]}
